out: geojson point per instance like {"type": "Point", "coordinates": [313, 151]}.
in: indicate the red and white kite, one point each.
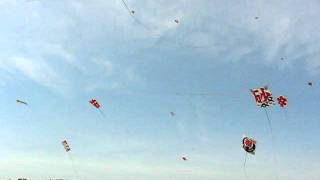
{"type": "Point", "coordinates": [66, 146]}
{"type": "Point", "coordinates": [95, 103]}
{"type": "Point", "coordinates": [263, 96]}
{"type": "Point", "coordinates": [249, 145]}
{"type": "Point", "coordinates": [282, 101]}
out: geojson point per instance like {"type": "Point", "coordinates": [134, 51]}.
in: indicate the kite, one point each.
{"type": "Point", "coordinates": [22, 102]}
{"type": "Point", "coordinates": [184, 158]}
{"type": "Point", "coordinates": [282, 58]}
{"type": "Point", "coordinates": [66, 145]}
{"type": "Point", "coordinates": [172, 113]}
{"type": "Point", "coordinates": [95, 103]}
{"type": "Point", "coordinates": [132, 11]}
{"type": "Point", "coordinates": [256, 17]}
{"type": "Point", "coordinates": [282, 101]}
{"type": "Point", "coordinates": [310, 83]}
{"type": "Point", "coordinates": [249, 145]}
{"type": "Point", "coordinates": [68, 149]}
{"type": "Point", "coordinates": [176, 21]}
{"type": "Point", "coordinates": [263, 96]}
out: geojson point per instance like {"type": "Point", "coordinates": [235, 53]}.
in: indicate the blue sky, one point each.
{"type": "Point", "coordinates": [57, 55]}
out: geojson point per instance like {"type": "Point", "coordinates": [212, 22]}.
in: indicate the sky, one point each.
{"type": "Point", "coordinates": [58, 55]}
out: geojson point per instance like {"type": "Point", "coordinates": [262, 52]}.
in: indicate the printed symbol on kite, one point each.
{"type": "Point", "coordinates": [282, 101]}
{"type": "Point", "coordinates": [263, 96]}
{"type": "Point", "coordinates": [66, 145]}
{"type": "Point", "coordinates": [95, 103]}
{"type": "Point", "coordinates": [249, 145]}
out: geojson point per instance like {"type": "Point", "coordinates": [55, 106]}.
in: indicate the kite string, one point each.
{"type": "Point", "coordinates": [270, 125]}
{"type": "Point", "coordinates": [136, 19]}
{"type": "Point", "coordinates": [244, 166]}
{"type": "Point", "coordinates": [272, 140]}
{"type": "Point", "coordinates": [126, 6]}
{"type": "Point", "coordinates": [73, 166]}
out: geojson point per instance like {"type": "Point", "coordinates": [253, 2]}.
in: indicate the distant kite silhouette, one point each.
{"type": "Point", "coordinates": [21, 102]}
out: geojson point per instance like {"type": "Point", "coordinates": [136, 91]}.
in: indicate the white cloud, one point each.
{"type": "Point", "coordinates": [36, 70]}
{"type": "Point", "coordinates": [106, 65]}
{"type": "Point", "coordinates": [75, 32]}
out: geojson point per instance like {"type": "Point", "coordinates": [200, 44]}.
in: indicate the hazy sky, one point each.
{"type": "Point", "coordinates": [57, 55]}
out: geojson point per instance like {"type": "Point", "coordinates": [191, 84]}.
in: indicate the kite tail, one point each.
{"type": "Point", "coordinates": [286, 115]}
{"type": "Point", "coordinates": [102, 113]}
{"type": "Point", "coordinates": [76, 173]}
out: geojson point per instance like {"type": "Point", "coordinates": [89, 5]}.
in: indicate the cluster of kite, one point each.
{"type": "Point", "coordinates": [264, 98]}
